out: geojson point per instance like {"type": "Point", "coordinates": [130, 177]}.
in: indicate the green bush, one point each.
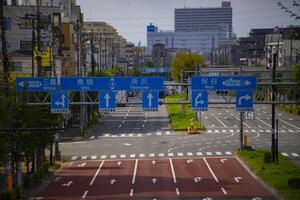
{"type": "Point", "coordinates": [37, 177]}
{"type": "Point", "coordinates": [294, 183]}
{"type": "Point", "coordinates": [17, 194]}
{"type": "Point", "coordinates": [267, 157]}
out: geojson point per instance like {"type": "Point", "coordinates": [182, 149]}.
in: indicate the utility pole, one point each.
{"type": "Point", "coordinates": [38, 28]}
{"type": "Point", "coordinates": [33, 47]}
{"type": "Point", "coordinates": [241, 120]}
{"type": "Point", "coordinates": [100, 51]}
{"type": "Point", "coordinates": [92, 55]}
{"type": "Point", "coordinates": [273, 147]}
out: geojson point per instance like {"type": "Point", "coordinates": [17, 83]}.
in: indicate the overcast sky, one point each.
{"type": "Point", "coordinates": [130, 17]}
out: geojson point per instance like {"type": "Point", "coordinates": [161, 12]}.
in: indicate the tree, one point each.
{"type": "Point", "coordinates": [186, 62]}
{"type": "Point", "coordinates": [296, 72]}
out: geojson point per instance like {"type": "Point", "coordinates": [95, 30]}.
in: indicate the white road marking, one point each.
{"type": "Point", "coordinates": [131, 193]}
{"type": "Point", "coordinates": [120, 126]}
{"type": "Point", "coordinates": [151, 154]}
{"type": "Point", "coordinates": [291, 131]}
{"type": "Point", "coordinates": [92, 137]}
{"type": "Point", "coordinates": [130, 134]}
{"type": "Point", "coordinates": [173, 171]}
{"type": "Point", "coordinates": [218, 153]}
{"type": "Point", "coordinates": [158, 133]}
{"type": "Point", "coordinates": [209, 153]}
{"type": "Point", "coordinates": [113, 156]}
{"type": "Point", "coordinates": [139, 135]}
{"type": "Point", "coordinates": [84, 195]}
{"type": "Point", "coordinates": [243, 123]}
{"type": "Point", "coordinates": [237, 179]}
{"type": "Point", "coordinates": [285, 154]}
{"type": "Point", "coordinates": [228, 153]}
{"type": "Point", "coordinates": [231, 131]}
{"type": "Point", "coordinates": [103, 156]}
{"type": "Point", "coordinates": [289, 124]}
{"type": "Point", "coordinates": [161, 154]}
{"type": "Point", "coordinates": [224, 131]}
{"type": "Point", "coordinates": [177, 191]}
{"type": "Point", "coordinates": [180, 154]}
{"type": "Point", "coordinates": [143, 125]}
{"type": "Point", "coordinates": [199, 153]}
{"type": "Point", "coordinates": [132, 155]}
{"type": "Point", "coordinates": [253, 131]}
{"type": "Point", "coordinates": [224, 191]}
{"type": "Point", "coordinates": [123, 156]}
{"type": "Point", "coordinates": [97, 172]}
{"type": "Point", "coordinates": [74, 158]}
{"type": "Point", "coordinates": [209, 131]}
{"type": "Point", "coordinates": [295, 154]}
{"type": "Point", "coordinates": [217, 131]}
{"type": "Point", "coordinates": [171, 154]}
{"type": "Point", "coordinates": [189, 154]}
{"type": "Point", "coordinates": [211, 171]}
{"type": "Point", "coordinates": [142, 155]}
{"type": "Point", "coordinates": [221, 122]}
{"type": "Point", "coordinates": [263, 122]}
{"type": "Point", "coordinates": [223, 160]}
{"type": "Point", "coordinates": [83, 157]}
{"type": "Point", "coordinates": [168, 132]}
{"type": "Point", "coordinates": [93, 157]}
{"type": "Point", "coordinates": [134, 171]}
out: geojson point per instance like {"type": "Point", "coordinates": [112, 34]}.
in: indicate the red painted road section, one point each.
{"type": "Point", "coordinates": [80, 177]}
{"type": "Point", "coordinates": [197, 178]}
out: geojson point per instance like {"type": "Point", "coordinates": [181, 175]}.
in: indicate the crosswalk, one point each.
{"type": "Point", "coordinates": [208, 131]}
{"type": "Point", "coordinates": [166, 155]}
{"type": "Point", "coordinates": [153, 155]}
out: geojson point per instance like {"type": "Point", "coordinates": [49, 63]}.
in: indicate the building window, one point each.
{"type": "Point", "coordinates": [25, 46]}
{"type": "Point", "coordinates": [7, 23]}
{"type": "Point", "coordinates": [26, 24]}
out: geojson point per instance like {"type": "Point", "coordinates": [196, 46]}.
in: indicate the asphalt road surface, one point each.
{"type": "Point", "coordinates": [135, 155]}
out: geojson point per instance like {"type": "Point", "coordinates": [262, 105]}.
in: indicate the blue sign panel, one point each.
{"type": "Point", "coordinates": [150, 100]}
{"type": "Point", "coordinates": [244, 100]}
{"type": "Point", "coordinates": [59, 102]}
{"type": "Point", "coordinates": [156, 70]}
{"type": "Point", "coordinates": [107, 83]}
{"type": "Point", "coordinates": [223, 82]}
{"type": "Point", "coordinates": [199, 100]}
{"type": "Point", "coordinates": [107, 101]}
{"type": "Point", "coordinates": [36, 84]}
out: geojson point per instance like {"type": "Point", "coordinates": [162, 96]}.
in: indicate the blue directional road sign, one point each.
{"type": "Point", "coordinates": [150, 100]}
{"type": "Point", "coordinates": [107, 101]}
{"type": "Point", "coordinates": [244, 100]}
{"type": "Point", "coordinates": [199, 100]}
{"type": "Point", "coordinates": [223, 82]}
{"type": "Point", "coordinates": [156, 70]}
{"type": "Point", "coordinates": [36, 84]}
{"type": "Point", "coordinates": [59, 102]}
{"type": "Point", "coordinates": [116, 83]}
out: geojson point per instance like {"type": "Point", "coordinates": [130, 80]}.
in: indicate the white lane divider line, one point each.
{"type": "Point", "coordinates": [103, 156]}
{"type": "Point", "coordinates": [173, 171]}
{"type": "Point", "coordinates": [113, 156]}
{"type": "Point", "coordinates": [180, 154]}
{"type": "Point", "coordinates": [228, 153]}
{"type": "Point", "coordinates": [199, 153]}
{"type": "Point", "coordinates": [151, 154]}
{"type": "Point", "coordinates": [92, 137]}
{"type": "Point", "coordinates": [161, 154]}
{"type": "Point", "coordinates": [221, 122]}
{"type": "Point", "coordinates": [177, 191]}
{"type": "Point", "coordinates": [158, 133]}
{"type": "Point", "coordinates": [291, 131]}
{"type": "Point", "coordinates": [224, 191]}
{"type": "Point", "coordinates": [209, 153]}
{"type": "Point", "coordinates": [83, 157]}
{"type": "Point", "coordinates": [74, 158]}
{"type": "Point", "coordinates": [134, 171]}
{"type": "Point", "coordinates": [97, 172]}
{"type": "Point", "coordinates": [295, 154]}
{"type": "Point", "coordinates": [189, 154]}
{"type": "Point", "coordinates": [263, 122]}
{"type": "Point", "coordinates": [292, 125]}
{"type": "Point", "coordinates": [171, 154]}
{"type": "Point", "coordinates": [243, 123]}
{"type": "Point", "coordinates": [285, 154]}
{"type": "Point", "coordinates": [168, 132]}
{"type": "Point", "coordinates": [218, 153]}
{"type": "Point", "coordinates": [131, 193]}
{"type": "Point", "coordinates": [132, 155]}
{"type": "Point", "coordinates": [84, 195]}
{"type": "Point", "coordinates": [211, 171]}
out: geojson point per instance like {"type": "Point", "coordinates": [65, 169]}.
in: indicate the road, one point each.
{"type": "Point", "coordinates": [135, 155]}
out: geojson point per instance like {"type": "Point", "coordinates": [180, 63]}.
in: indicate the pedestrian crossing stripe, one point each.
{"type": "Point", "coordinates": [170, 154]}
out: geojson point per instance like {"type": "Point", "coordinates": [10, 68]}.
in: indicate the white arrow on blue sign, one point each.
{"type": "Point", "coordinates": [244, 100]}
{"type": "Point", "coordinates": [107, 101]}
{"type": "Point", "coordinates": [150, 100]}
{"type": "Point", "coordinates": [59, 102]}
{"type": "Point", "coordinates": [36, 84]}
{"type": "Point", "coordinates": [199, 100]}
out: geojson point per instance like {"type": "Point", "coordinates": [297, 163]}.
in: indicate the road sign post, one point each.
{"type": "Point", "coordinates": [59, 102]}
{"type": "Point", "coordinates": [107, 101]}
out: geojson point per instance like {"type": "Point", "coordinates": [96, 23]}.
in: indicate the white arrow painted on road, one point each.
{"type": "Point", "coordinates": [189, 161]}
{"type": "Point", "coordinates": [112, 181]}
{"type": "Point", "coordinates": [154, 180]}
{"type": "Point", "coordinates": [246, 97]}
{"type": "Point", "coordinates": [198, 179]}
{"type": "Point", "coordinates": [150, 97]}
{"type": "Point", "coordinates": [237, 179]}
{"type": "Point", "coordinates": [81, 165]}
{"type": "Point", "coordinates": [119, 163]}
{"type": "Point", "coordinates": [67, 184]}
{"type": "Point", "coordinates": [223, 160]}
{"type": "Point", "coordinates": [107, 97]}
{"type": "Point", "coordinates": [153, 162]}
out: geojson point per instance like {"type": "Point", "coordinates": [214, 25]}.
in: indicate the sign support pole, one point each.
{"type": "Point", "coordinates": [241, 129]}
{"type": "Point", "coordinates": [273, 148]}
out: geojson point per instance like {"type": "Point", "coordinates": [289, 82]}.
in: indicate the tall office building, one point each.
{"type": "Point", "coordinates": [204, 19]}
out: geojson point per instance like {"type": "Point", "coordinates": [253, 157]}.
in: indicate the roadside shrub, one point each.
{"type": "Point", "coordinates": [294, 183]}
{"type": "Point", "coordinates": [267, 157]}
